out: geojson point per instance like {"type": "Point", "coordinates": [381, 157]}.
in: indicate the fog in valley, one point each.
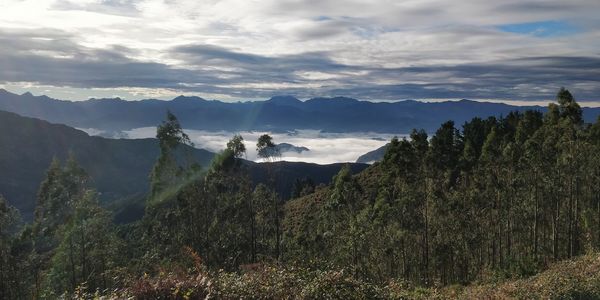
{"type": "Point", "coordinates": [324, 147]}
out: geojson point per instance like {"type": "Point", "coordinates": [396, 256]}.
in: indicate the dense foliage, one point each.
{"type": "Point", "coordinates": [500, 198]}
{"type": "Point", "coordinates": [504, 196]}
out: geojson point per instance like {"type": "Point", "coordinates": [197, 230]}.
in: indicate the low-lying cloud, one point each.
{"type": "Point", "coordinates": [325, 148]}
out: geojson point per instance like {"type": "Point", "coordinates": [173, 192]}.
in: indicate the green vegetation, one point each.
{"type": "Point", "coordinates": [501, 198]}
{"type": "Point", "coordinates": [469, 213]}
{"type": "Point", "coordinates": [118, 168]}
{"type": "Point", "coordinates": [573, 279]}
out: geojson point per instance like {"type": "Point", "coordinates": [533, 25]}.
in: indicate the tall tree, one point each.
{"type": "Point", "coordinates": [266, 148]}
{"type": "Point", "coordinates": [268, 151]}
{"type": "Point", "coordinates": [88, 252]}
{"type": "Point", "coordinates": [162, 223]}
{"type": "Point", "coordinates": [9, 218]}
{"type": "Point", "coordinates": [166, 171]}
{"type": "Point", "coordinates": [57, 197]}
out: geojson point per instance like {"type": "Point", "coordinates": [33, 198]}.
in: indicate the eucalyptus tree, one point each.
{"type": "Point", "coordinates": [88, 252]}
{"type": "Point", "coordinates": [9, 219]}
{"type": "Point", "coordinates": [268, 151]}
{"type": "Point", "coordinates": [57, 197]}
{"type": "Point", "coordinates": [162, 235]}
{"type": "Point", "coordinates": [266, 148]}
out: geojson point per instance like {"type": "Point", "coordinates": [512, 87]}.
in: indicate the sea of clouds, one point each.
{"type": "Point", "coordinates": [325, 147]}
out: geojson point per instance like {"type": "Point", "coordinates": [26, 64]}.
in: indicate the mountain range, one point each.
{"type": "Point", "coordinates": [280, 113]}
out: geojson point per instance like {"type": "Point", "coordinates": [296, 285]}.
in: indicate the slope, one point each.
{"type": "Point", "coordinates": [118, 168]}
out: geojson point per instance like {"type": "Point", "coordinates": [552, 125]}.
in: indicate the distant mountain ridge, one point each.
{"type": "Point", "coordinates": [280, 113]}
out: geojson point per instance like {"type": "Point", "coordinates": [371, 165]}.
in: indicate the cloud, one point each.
{"type": "Point", "coordinates": [114, 7]}
{"type": "Point", "coordinates": [325, 148]}
{"type": "Point", "coordinates": [237, 49]}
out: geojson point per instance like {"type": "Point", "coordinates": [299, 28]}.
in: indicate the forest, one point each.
{"type": "Point", "coordinates": [503, 207]}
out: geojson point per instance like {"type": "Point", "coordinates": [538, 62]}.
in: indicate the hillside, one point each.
{"type": "Point", "coordinates": [119, 168]}
{"type": "Point", "coordinates": [578, 278]}
{"type": "Point", "coordinates": [277, 114]}
{"type": "Point", "coordinates": [372, 156]}
{"type": "Point", "coordinates": [301, 213]}
{"type": "Point", "coordinates": [460, 205]}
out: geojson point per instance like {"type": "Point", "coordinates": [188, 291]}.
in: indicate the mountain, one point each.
{"type": "Point", "coordinates": [286, 147]}
{"type": "Point", "coordinates": [372, 156]}
{"type": "Point", "coordinates": [280, 113]}
{"type": "Point", "coordinates": [118, 168]}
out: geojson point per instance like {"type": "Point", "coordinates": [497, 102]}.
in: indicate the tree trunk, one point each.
{"type": "Point", "coordinates": [2, 280]}
{"type": "Point", "coordinates": [83, 257]}
{"type": "Point", "coordinates": [555, 229]}
{"type": "Point", "coordinates": [570, 218]}
{"type": "Point", "coordinates": [598, 214]}
{"type": "Point", "coordinates": [426, 235]}
{"type": "Point", "coordinates": [72, 265]}
{"type": "Point", "coordinates": [277, 229]}
{"type": "Point", "coordinates": [499, 223]}
{"type": "Point", "coordinates": [536, 220]}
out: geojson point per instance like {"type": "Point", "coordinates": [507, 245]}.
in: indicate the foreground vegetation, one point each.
{"type": "Point", "coordinates": [572, 279]}
{"type": "Point", "coordinates": [485, 207]}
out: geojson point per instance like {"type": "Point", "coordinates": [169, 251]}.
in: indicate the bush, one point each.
{"type": "Point", "coordinates": [574, 279]}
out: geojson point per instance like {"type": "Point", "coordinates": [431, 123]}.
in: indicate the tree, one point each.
{"type": "Point", "coordinates": [569, 109]}
{"type": "Point", "coordinates": [266, 149]}
{"type": "Point", "coordinates": [302, 187]}
{"type": "Point", "coordinates": [88, 252]}
{"type": "Point", "coordinates": [265, 217]}
{"type": "Point", "coordinates": [230, 232]}
{"type": "Point", "coordinates": [166, 171]}
{"type": "Point", "coordinates": [169, 179]}
{"type": "Point", "coordinates": [342, 228]}
{"type": "Point", "coordinates": [236, 145]}
{"type": "Point", "coordinates": [57, 197]}
{"type": "Point", "coordinates": [444, 152]}
{"type": "Point", "coordinates": [9, 218]}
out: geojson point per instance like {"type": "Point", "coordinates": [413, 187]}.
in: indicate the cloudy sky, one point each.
{"type": "Point", "coordinates": [248, 49]}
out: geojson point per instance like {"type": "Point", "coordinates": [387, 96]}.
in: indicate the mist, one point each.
{"type": "Point", "coordinates": [324, 147]}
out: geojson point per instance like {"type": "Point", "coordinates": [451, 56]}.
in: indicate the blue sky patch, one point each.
{"type": "Point", "coordinates": [323, 18]}
{"type": "Point", "coordinates": [544, 29]}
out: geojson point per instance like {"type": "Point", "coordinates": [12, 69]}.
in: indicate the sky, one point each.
{"type": "Point", "coordinates": [231, 50]}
